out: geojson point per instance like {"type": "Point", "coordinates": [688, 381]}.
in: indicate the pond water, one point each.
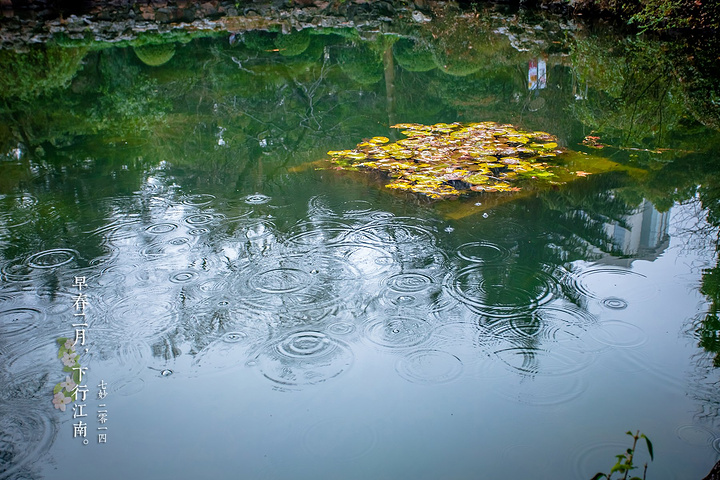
{"type": "Point", "coordinates": [248, 311]}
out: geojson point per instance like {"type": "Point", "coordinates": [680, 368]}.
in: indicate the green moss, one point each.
{"type": "Point", "coordinates": [38, 71]}
{"type": "Point", "coordinates": [259, 41]}
{"type": "Point", "coordinates": [413, 56]}
{"type": "Point", "coordinates": [155, 55]}
{"type": "Point", "coordinates": [361, 64]}
{"type": "Point", "coordinates": [292, 44]}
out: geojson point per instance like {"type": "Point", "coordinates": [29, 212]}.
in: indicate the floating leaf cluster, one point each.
{"type": "Point", "coordinates": [444, 160]}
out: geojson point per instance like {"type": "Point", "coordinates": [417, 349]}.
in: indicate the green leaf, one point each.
{"type": "Point", "coordinates": [57, 388]}
{"type": "Point", "coordinates": [598, 476]}
{"type": "Point", "coordinates": [619, 468]}
{"type": "Point", "coordinates": [649, 446]}
{"type": "Point", "coordinates": [67, 369]}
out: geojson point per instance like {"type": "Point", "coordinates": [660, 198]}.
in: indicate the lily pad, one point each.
{"type": "Point", "coordinates": [447, 160]}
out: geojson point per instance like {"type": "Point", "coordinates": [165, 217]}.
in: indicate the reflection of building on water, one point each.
{"type": "Point", "coordinates": [644, 234]}
{"type": "Point", "coordinates": [537, 74]}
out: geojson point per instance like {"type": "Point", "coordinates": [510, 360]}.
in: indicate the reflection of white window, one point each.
{"type": "Point", "coordinates": [537, 74]}
{"type": "Point", "coordinates": [646, 233]}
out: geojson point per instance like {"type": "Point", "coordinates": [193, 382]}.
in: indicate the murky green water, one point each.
{"type": "Point", "coordinates": [253, 315]}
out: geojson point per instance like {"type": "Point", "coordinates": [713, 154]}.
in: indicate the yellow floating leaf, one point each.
{"type": "Point", "coordinates": [477, 179]}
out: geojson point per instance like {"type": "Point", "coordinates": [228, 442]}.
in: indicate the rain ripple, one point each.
{"type": "Point", "coordinates": [298, 283]}
{"type": "Point", "coordinates": [398, 332]}
{"type": "Point", "coordinates": [52, 258]}
{"type": "Point", "coordinates": [198, 199]}
{"type": "Point", "coordinates": [144, 314]}
{"type": "Point", "coordinates": [304, 358]}
{"type": "Point", "coordinates": [611, 284]}
{"type": "Point", "coordinates": [496, 290]}
{"type": "Point", "coordinates": [16, 210]}
{"type": "Point", "coordinates": [530, 361]}
{"type": "Point", "coordinates": [429, 367]}
{"type": "Point", "coordinates": [482, 252]}
{"type": "Point", "coordinates": [25, 435]}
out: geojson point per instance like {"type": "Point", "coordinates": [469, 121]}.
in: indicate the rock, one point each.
{"type": "Point", "coordinates": [714, 473]}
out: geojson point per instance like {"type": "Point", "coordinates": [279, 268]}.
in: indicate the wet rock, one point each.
{"type": "Point", "coordinates": [714, 473]}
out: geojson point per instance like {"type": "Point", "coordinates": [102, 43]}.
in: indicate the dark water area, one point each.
{"type": "Point", "coordinates": [249, 311]}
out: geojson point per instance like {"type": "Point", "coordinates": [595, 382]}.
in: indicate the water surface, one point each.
{"type": "Point", "coordinates": [254, 316]}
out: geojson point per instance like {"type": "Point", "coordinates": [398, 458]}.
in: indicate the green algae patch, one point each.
{"type": "Point", "coordinates": [445, 161]}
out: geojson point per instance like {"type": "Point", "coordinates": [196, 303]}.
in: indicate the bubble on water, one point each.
{"type": "Point", "coordinates": [398, 332]}
{"type": "Point", "coordinates": [166, 372]}
{"type": "Point", "coordinates": [234, 337]}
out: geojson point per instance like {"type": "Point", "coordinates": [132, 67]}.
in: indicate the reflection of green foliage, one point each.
{"type": "Point", "coordinates": [708, 331]}
{"type": "Point", "coordinates": [293, 44]}
{"type": "Point", "coordinates": [259, 41]}
{"type": "Point", "coordinates": [412, 56]}
{"type": "Point", "coordinates": [459, 61]}
{"type": "Point", "coordinates": [632, 96]}
{"type": "Point", "coordinates": [130, 100]}
{"type": "Point", "coordinates": [674, 14]}
{"type": "Point", "coordinates": [38, 71]}
{"type": "Point", "coordinates": [698, 74]}
{"type": "Point", "coordinates": [155, 55]}
{"type": "Point", "coordinates": [462, 47]}
{"type": "Point", "coordinates": [361, 64]}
